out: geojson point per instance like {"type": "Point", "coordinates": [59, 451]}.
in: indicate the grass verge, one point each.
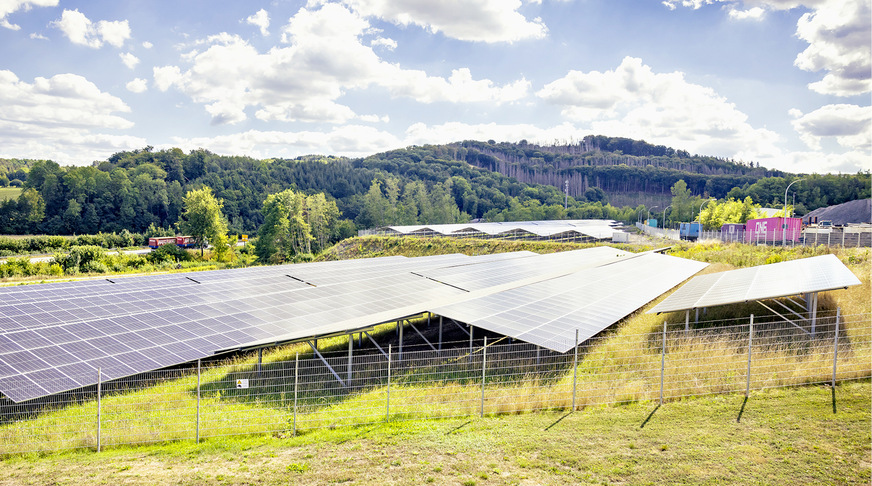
{"type": "Point", "coordinates": [804, 435]}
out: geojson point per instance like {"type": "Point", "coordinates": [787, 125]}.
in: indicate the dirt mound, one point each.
{"type": "Point", "coordinates": [851, 212]}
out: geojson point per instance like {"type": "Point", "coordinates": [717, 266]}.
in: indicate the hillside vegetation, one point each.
{"type": "Point", "coordinates": [609, 178]}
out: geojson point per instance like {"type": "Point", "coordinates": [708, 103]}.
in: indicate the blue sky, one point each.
{"type": "Point", "coordinates": [782, 82]}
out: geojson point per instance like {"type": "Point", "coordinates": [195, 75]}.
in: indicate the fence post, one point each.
{"type": "Point", "coordinates": [750, 336]}
{"type": "Point", "coordinates": [483, 367]}
{"type": "Point", "coordinates": [836, 344]}
{"type": "Point", "coordinates": [388, 406]}
{"type": "Point", "coordinates": [198, 401]}
{"type": "Point", "coordinates": [99, 404]}
{"type": "Point", "coordinates": [574, 370]}
{"type": "Point", "coordinates": [296, 386]}
{"type": "Point", "coordinates": [662, 362]}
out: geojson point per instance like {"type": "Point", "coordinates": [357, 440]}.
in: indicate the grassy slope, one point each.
{"type": "Point", "coordinates": [781, 436]}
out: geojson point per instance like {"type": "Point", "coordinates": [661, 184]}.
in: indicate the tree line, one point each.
{"type": "Point", "coordinates": [143, 191]}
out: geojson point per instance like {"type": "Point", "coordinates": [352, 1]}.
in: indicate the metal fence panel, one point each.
{"type": "Point", "coordinates": [284, 397]}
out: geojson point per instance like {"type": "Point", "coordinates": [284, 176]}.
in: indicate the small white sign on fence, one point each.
{"type": "Point", "coordinates": [242, 383]}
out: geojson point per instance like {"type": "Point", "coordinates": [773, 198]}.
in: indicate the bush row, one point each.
{"type": "Point", "coordinates": [50, 244]}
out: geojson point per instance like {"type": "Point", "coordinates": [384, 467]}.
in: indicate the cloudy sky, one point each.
{"type": "Point", "coordinates": [782, 82]}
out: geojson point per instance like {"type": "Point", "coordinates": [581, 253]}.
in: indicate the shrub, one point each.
{"type": "Point", "coordinates": [169, 254]}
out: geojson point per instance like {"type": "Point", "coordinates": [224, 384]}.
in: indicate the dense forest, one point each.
{"type": "Point", "coordinates": [143, 190]}
{"type": "Point", "coordinates": [629, 170]}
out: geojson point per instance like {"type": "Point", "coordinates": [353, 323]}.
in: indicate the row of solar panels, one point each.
{"type": "Point", "coordinates": [593, 228]}
{"type": "Point", "coordinates": [55, 336]}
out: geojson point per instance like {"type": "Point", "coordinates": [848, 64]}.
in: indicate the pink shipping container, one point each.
{"type": "Point", "coordinates": [773, 230]}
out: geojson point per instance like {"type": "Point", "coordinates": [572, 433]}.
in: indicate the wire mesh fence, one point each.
{"type": "Point", "coordinates": [844, 237]}
{"type": "Point", "coordinates": [491, 376]}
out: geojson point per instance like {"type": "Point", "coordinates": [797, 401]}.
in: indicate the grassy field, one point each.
{"type": "Point", "coordinates": [782, 436]}
{"type": "Point", "coordinates": [9, 193]}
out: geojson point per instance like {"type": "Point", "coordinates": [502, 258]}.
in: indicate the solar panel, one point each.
{"type": "Point", "coordinates": [815, 274]}
{"type": "Point", "coordinates": [548, 313]}
{"type": "Point", "coordinates": [500, 272]}
{"type": "Point", "coordinates": [54, 338]}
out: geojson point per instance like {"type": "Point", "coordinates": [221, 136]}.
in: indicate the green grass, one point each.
{"type": "Point", "coordinates": [9, 193]}
{"type": "Point", "coordinates": [780, 436]}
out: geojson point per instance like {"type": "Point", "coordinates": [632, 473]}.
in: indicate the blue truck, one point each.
{"type": "Point", "coordinates": [689, 231]}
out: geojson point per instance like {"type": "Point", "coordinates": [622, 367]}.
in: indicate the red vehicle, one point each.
{"type": "Point", "coordinates": [180, 241]}
{"type": "Point", "coordinates": [161, 241]}
{"type": "Point", "coordinates": [185, 241]}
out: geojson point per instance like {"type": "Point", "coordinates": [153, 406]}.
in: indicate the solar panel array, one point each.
{"type": "Point", "coordinates": [594, 228]}
{"type": "Point", "coordinates": [54, 337]}
{"type": "Point", "coordinates": [815, 274]}
{"type": "Point", "coordinates": [549, 312]}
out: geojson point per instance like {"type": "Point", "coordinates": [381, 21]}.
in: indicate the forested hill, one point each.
{"type": "Point", "coordinates": [135, 190]}
{"type": "Point", "coordinates": [629, 171]}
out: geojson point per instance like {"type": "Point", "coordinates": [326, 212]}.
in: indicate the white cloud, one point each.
{"type": "Point", "coordinates": [387, 43]}
{"type": "Point", "coordinates": [261, 20]}
{"type": "Point", "coordinates": [34, 35]}
{"type": "Point", "coordinates": [80, 30]}
{"type": "Point", "coordinates": [633, 101]}
{"type": "Point", "coordinates": [838, 34]}
{"type": "Point", "coordinates": [347, 140]}
{"type": "Point", "coordinates": [303, 81]}
{"type": "Point", "coordinates": [850, 125]}
{"type": "Point", "coordinates": [61, 118]}
{"type": "Point", "coordinates": [421, 133]}
{"type": "Point", "coordinates": [129, 59]}
{"type": "Point", "coordinates": [837, 31]}
{"type": "Point", "coordinates": [147, 45]}
{"type": "Point", "coordinates": [753, 13]}
{"type": "Point", "coordinates": [138, 85]}
{"type": "Point", "coordinates": [468, 20]}
{"type": "Point", "coordinates": [8, 7]}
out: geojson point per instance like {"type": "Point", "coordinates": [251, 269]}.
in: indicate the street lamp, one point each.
{"type": "Point", "coordinates": [699, 214]}
{"type": "Point", "coordinates": [784, 221]}
{"type": "Point", "coordinates": [785, 196]}
{"type": "Point", "coordinates": [649, 213]}
{"type": "Point", "coordinates": [664, 216]}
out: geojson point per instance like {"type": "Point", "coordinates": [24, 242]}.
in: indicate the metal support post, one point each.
{"type": "Point", "coordinates": [350, 348]}
{"type": "Point", "coordinates": [440, 333]}
{"type": "Point", "coordinates": [750, 337]}
{"type": "Point", "coordinates": [388, 404]}
{"type": "Point", "coordinates": [574, 370]}
{"type": "Point", "coordinates": [330, 368]}
{"type": "Point", "coordinates": [662, 362]}
{"type": "Point", "coordinates": [400, 323]}
{"type": "Point", "coordinates": [836, 344]}
{"type": "Point", "coordinates": [422, 336]}
{"type": "Point", "coordinates": [296, 387]}
{"type": "Point", "coordinates": [814, 306]}
{"type": "Point", "coordinates": [99, 405]}
{"type": "Point", "coordinates": [471, 331]}
{"type": "Point", "coordinates": [538, 353]}
{"type": "Point", "coordinates": [687, 320]}
{"type": "Point", "coordinates": [483, 367]}
{"type": "Point", "coordinates": [198, 401]}
{"type": "Point", "coordinates": [259, 359]}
